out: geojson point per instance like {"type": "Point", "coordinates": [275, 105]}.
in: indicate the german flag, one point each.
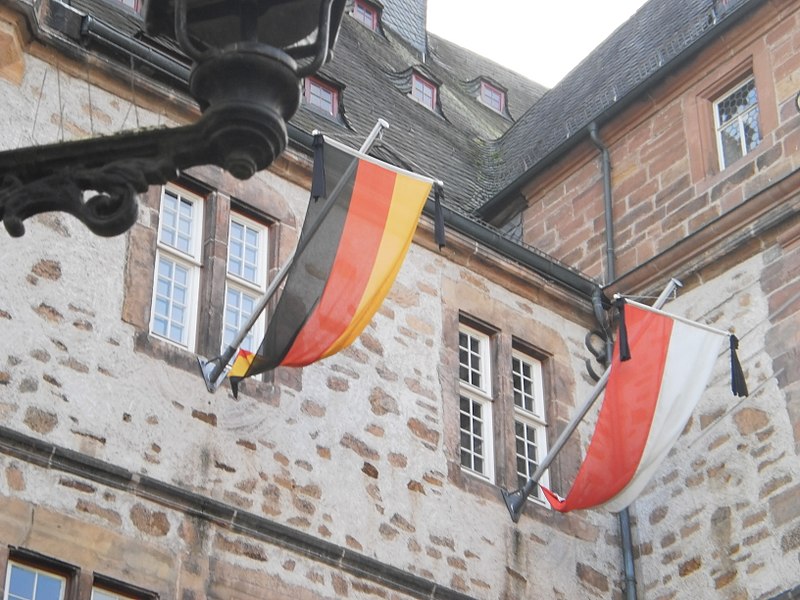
{"type": "Point", "coordinates": [351, 247]}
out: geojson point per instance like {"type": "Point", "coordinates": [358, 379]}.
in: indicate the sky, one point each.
{"type": "Point", "coordinates": [540, 39]}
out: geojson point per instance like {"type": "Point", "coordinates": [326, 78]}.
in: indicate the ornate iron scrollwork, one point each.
{"type": "Point", "coordinates": [245, 87]}
{"type": "Point", "coordinates": [110, 212]}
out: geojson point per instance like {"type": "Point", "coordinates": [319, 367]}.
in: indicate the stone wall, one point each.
{"type": "Point", "coordinates": [721, 518]}
{"type": "Point", "coordinates": [722, 513]}
{"type": "Point", "coordinates": [115, 459]}
{"type": "Point", "coordinates": [666, 180]}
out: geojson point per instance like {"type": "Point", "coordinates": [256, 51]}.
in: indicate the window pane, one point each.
{"type": "Point", "coordinates": [471, 368]}
{"type": "Point", "coordinates": [22, 581]}
{"type": "Point", "coordinates": [472, 419]}
{"type": "Point", "coordinates": [32, 584]}
{"type": "Point", "coordinates": [528, 450]}
{"type": "Point", "coordinates": [238, 308]}
{"type": "Point", "coordinates": [731, 143]}
{"type": "Point", "coordinates": [737, 123]}
{"type": "Point", "coordinates": [752, 134]}
{"type": "Point", "coordinates": [171, 302]}
{"type": "Point", "coordinates": [48, 588]}
{"type": "Point", "coordinates": [244, 249]}
{"type": "Point", "coordinates": [522, 376]}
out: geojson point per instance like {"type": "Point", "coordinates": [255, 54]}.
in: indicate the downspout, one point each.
{"type": "Point", "coordinates": [606, 157]}
{"type": "Point", "coordinates": [624, 516]}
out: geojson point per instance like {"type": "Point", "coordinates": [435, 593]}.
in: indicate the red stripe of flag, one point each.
{"type": "Point", "coordinates": [624, 421]}
{"type": "Point", "coordinates": [361, 238]}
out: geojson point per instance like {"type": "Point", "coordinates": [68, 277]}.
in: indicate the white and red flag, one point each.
{"type": "Point", "coordinates": [648, 400]}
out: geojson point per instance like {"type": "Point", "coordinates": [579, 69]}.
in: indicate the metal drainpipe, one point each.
{"type": "Point", "coordinates": [610, 270]}
{"type": "Point", "coordinates": [611, 275]}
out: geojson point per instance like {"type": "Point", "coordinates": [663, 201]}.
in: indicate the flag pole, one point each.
{"type": "Point", "coordinates": [515, 501]}
{"type": "Point", "coordinates": [213, 370]}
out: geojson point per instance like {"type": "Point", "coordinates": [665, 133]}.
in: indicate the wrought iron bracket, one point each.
{"type": "Point", "coordinates": [246, 94]}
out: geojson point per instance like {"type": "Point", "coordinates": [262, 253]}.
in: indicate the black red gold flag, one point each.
{"type": "Point", "coordinates": [351, 247]}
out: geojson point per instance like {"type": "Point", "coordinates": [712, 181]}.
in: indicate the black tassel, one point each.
{"type": "Point", "coordinates": [622, 336]}
{"type": "Point", "coordinates": [738, 383]}
{"type": "Point", "coordinates": [438, 216]}
{"type": "Point", "coordinates": [318, 175]}
{"type": "Point", "coordinates": [234, 381]}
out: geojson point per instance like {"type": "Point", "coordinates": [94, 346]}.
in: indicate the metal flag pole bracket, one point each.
{"type": "Point", "coordinates": [515, 501]}
{"type": "Point", "coordinates": [213, 369]}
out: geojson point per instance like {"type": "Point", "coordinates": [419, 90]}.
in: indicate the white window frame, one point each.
{"type": "Point", "coordinates": [189, 259]}
{"type": "Point", "coordinates": [479, 396]}
{"type": "Point", "coordinates": [256, 288]}
{"type": "Point", "coordinates": [530, 415]}
{"type": "Point", "coordinates": [37, 571]}
{"type": "Point", "coordinates": [738, 120]}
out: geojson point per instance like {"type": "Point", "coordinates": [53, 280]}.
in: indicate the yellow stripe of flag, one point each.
{"type": "Point", "coordinates": [408, 199]}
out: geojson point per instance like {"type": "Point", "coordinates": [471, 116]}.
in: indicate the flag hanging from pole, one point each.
{"type": "Point", "coordinates": [648, 400]}
{"type": "Point", "coordinates": [353, 242]}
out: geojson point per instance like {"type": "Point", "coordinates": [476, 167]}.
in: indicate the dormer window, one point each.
{"type": "Point", "coordinates": [423, 91]}
{"type": "Point", "coordinates": [132, 4]}
{"type": "Point", "coordinates": [367, 14]}
{"type": "Point", "coordinates": [493, 97]}
{"type": "Point", "coordinates": [321, 96]}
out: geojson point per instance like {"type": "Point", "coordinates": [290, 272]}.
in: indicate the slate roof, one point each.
{"type": "Point", "coordinates": [375, 69]}
{"type": "Point", "coordinates": [646, 48]}
{"type": "Point", "coordinates": [408, 19]}
{"type": "Point", "coordinates": [482, 156]}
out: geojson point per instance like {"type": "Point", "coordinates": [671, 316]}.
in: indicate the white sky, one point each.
{"type": "Point", "coordinates": [540, 39]}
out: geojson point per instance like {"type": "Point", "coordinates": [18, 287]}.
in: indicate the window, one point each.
{"type": "Point", "coordinates": [736, 119]}
{"type": "Point", "coordinates": [177, 272]}
{"type": "Point", "coordinates": [98, 594]}
{"type": "Point", "coordinates": [501, 405]}
{"type": "Point", "coordinates": [366, 14]}
{"type": "Point", "coordinates": [475, 411]}
{"type": "Point", "coordinates": [321, 96]}
{"type": "Point", "coordinates": [423, 91]}
{"type": "Point", "coordinates": [493, 97]}
{"type": "Point", "coordinates": [529, 419]}
{"type": "Point", "coordinates": [134, 4]}
{"type": "Point", "coordinates": [110, 589]}
{"type": "Point", "coordinates": [246, 279]}
{"type": "Point", "coordinates": [28, 583]}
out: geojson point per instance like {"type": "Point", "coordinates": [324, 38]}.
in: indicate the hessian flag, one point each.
{"type": "Point", "coordinates": [648, 400]}
{"type": "Point", "coordinates": [354, 238]}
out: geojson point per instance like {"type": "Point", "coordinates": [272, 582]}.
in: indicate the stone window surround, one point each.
{"type": "Point", "coordinates": [699, 117]}
{"type": "Point", "coordinates": [217, 189]}
{"type": "Point", "coordinates": [460, 300]}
